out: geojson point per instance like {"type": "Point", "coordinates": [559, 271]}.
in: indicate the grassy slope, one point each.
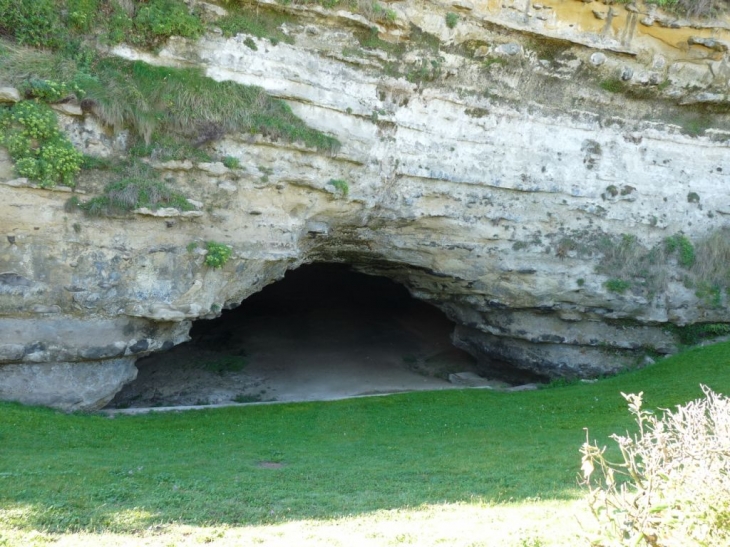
{"type": "Point", "coordinates": [75, 472]}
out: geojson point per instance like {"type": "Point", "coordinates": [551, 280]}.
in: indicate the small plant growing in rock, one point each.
{"type": "Point", "coordinates": [452, 19]}
{"type": "Point", "coordinates": [157, 20]}
{"type": "Point", "coordinates": [693, 197]}
{"type": "Point", "coordinates": [231, 162]}
{"type": "Point", "coordinates": [218, 254]}
{"type": "Point", "coordinates": [267, 172]}
{"type": "Point", "coordinates": [683, 247]}
{"type": "Point", "coordinates": [612, 85]}
{"type": "Point", "coordinates": [612, 191]}
{"type": "Point", "coordinates": [670, 486]}
{"type": "Point", "coordinates": [340, 185]}
{"type": "Point", "coordinates": [617, 285]}
{"type": "Point", "coordinates": [381, 13]}
{"type": "Point", "coordinates": [250, 44]}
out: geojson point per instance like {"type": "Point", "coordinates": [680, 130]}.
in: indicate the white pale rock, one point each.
{"type": "Point", "coordinates": [69, 109]}
{"type": "Point", "coordinates": [9, 95]}
{"type": "Point", "coordinates": [598, 58]}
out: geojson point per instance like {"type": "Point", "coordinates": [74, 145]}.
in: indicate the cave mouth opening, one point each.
{"type": "Point", "coordinates": [323, 332]}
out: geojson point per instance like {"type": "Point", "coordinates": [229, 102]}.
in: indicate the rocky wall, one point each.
{"type": "Point", "coordinates": [467, 170]}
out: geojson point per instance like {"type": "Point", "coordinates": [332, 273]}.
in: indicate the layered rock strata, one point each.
{"type": "Point", "coordinates": [482, 175]}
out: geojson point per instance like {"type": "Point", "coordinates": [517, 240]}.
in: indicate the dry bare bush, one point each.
{"type": "Point", "coordinates": [713, 259]}
{"type": "Point", "coordinates": [701, 8]}
{"type": "Point", "coordinates": [672, 487]}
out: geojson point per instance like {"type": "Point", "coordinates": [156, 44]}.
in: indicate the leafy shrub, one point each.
{"type": "Point", "coordinates": [671, 485]}
{"type": "Point", "coordinates": [160, 19]}
{"type": "Point", "coordinates": [218, 254]}
{"type": "Point", "coordinates": [711, 269]}
{"type": "Point", "coordinates": [29, 131]}
{"type": "Point", "coordinates": [82, 13]}
{"type": "Point", "coordinates": [452, 19]}
{"type": "Point", "coordinates": [711, 295]}
{"type": "Point", "coordinates": [705, 263]}
{"type": "Point", "coordinates": [119, 24]}
{"type": "Point", "coordinates": [50, 90]}
{"type": "Point", "coordinates": [32, 22]}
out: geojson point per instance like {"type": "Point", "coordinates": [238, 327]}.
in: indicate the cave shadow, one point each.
{"type": "Point", "coordinates": [323, 332]}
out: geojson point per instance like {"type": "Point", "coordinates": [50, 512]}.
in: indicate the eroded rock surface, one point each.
{"type": "Point", "coordinates": [483, 183]}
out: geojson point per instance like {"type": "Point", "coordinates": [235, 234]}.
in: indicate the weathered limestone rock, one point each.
{"type": "Point", "coordinates": [69, 363]}
{"type": "Point", "coordinates": [9, 95]}
{"type": "Point", "coordinates": [711, 43]}
{"type": "Point", "coordinates": [485, 189]}
{"type": "Point", "coordinates": [69, 109]}
{"type": "Point", "coordinates": [87, 385]}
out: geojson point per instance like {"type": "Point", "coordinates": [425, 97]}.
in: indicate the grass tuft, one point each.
{"type": "Point", "coordinates": [340, 185]}
{"type": "Point", "coordinates": [140, 188]}
{"type": "Point", "coordinates": [258, 23]}
{"type": "Point", "coordinates": [158, 100]}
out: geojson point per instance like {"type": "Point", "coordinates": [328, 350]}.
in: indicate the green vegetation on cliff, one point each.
{"type": "Point", "coordinates": [51, 53]}
{"type": "Point", "coordinates": [129, 193]}
{"type": "Point", "coordinates": [702, 265]}
{"type": "Point", "coordinates": [29, 131]}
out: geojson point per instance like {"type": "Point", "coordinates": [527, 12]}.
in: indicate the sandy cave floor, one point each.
{"type": "Point", "coordinates": [319, 355]}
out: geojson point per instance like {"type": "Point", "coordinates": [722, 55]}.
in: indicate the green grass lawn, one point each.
{"type": "Point", "coordinates": [89, 473]}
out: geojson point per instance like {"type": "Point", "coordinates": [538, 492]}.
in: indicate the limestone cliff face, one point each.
{"type": "Point", "coordinates": [485, 176]}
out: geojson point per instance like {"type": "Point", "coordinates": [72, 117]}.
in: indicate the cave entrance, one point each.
{"type": "Point", "coordinates": [323, 332]}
